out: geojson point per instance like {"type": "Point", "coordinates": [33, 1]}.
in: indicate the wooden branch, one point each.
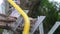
{"type": "Point", "coordinates": [3, 23]}
{"type": "Point", "coordinates": [6, 22]}
{"type": "Point", "coordinates": [5, 18]}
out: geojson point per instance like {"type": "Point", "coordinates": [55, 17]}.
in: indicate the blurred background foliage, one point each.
{"type": "Point", "coordinates": [49, 9]}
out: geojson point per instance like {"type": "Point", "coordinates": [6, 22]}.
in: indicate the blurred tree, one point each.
{"type": "Point", "coordinates": [44, 7]}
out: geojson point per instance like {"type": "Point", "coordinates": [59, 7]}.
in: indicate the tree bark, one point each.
{"type": "Point", "coordinates": [24, 4]}
{"type": "Point", "coordinates": [33, 7]}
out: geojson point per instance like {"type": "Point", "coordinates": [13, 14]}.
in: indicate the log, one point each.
{"type": "Point", "coordinates": [6, 22]}
{"type": "Point", "coordinates": [8, 19]}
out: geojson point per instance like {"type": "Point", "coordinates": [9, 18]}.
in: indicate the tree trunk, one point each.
{"type": "Point", "coordinates": [33, 7]}
{"type": "Point", "coordinates": [23, 4]}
